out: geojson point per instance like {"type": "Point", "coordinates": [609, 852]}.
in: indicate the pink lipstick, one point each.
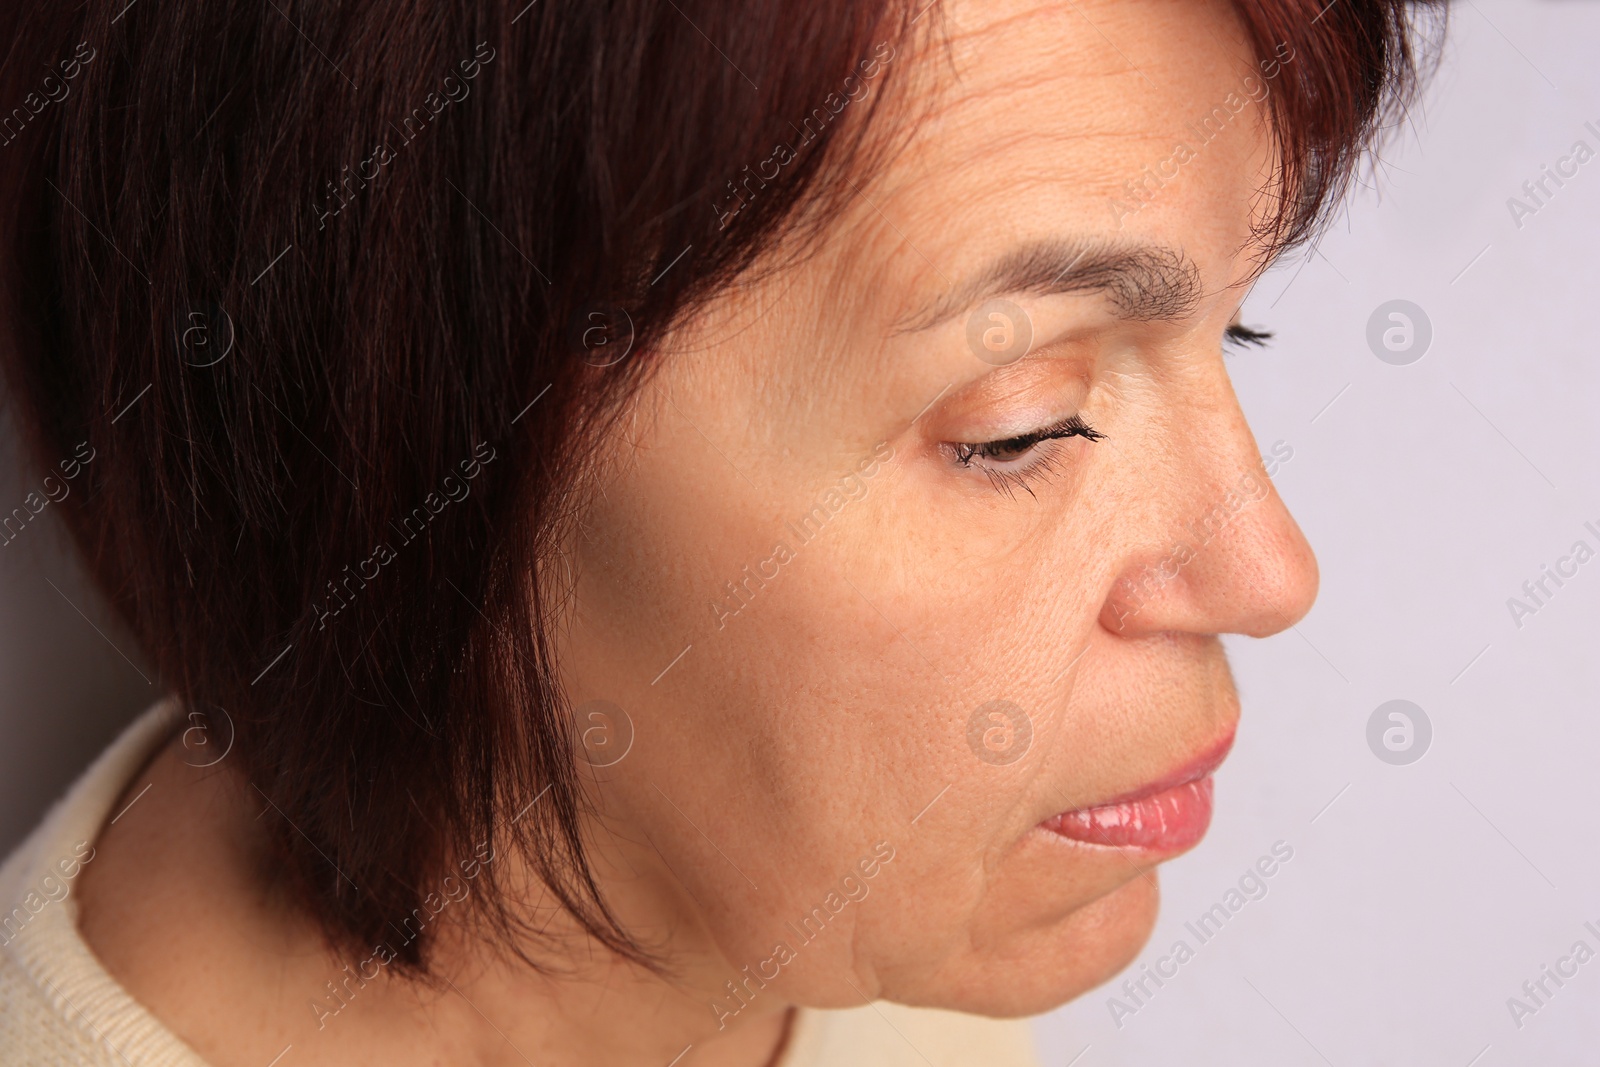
{"type": "Point", "coordinates": [1170, 820]}
{"type": "Point", "coordinates": [1169, 815]}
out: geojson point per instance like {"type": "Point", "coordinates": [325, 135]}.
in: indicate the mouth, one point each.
{"type": "Point", "coordinates": [1167, 815]}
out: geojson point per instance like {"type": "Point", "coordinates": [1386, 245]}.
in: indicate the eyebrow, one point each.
{"type": "Point", "coordinates": [1144, 282]}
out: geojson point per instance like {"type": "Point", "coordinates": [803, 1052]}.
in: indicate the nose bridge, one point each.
{"type": "Point", "coordinates": [1224, 502]}
{"type": "Point", "coordinates": [1222, 554]}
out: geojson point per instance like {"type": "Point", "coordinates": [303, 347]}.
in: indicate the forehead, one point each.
{"type": "Point", "coordinates": [1063, 119]}
{"type": "Point", "coordinates": [1035, 126]}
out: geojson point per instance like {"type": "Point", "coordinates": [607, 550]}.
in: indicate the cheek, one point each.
{"type": "Point", "coordinates": [796, 732]}
{"type": "Point", "coordinates": [823, 705]}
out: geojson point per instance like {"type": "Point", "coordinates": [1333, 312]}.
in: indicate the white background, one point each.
{"type": "Point", "coordinates": [1424, 895]}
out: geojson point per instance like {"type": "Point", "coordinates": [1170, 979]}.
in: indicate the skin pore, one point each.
{"type": "Point", "coordinates": [811, 724]}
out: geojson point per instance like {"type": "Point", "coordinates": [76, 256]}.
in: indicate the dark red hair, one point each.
{"type": "Point", "coordinates": [316, 284]}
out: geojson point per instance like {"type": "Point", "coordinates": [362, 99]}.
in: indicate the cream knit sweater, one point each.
{"type": "Point", "coordinates": [58, 1005]}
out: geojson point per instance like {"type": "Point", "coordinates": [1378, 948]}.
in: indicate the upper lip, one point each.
{"type": "Point", "coordinates": [1191, 770]}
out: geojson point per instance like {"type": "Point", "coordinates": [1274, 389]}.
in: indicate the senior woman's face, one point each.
{"type": "Point", "coordinates": [869, 654]}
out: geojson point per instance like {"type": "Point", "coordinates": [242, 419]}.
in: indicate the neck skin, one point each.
{"type": "Point", "coordinates": [175, 909]}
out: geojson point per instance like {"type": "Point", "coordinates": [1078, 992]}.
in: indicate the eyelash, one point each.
{"type": "Point", "coordinates": [1011, 448]}
{"type": "Point", "coordinates": [1238, 336]}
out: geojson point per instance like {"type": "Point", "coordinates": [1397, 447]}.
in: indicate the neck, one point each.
{"type": "Point", "coordinates": [176, 908]}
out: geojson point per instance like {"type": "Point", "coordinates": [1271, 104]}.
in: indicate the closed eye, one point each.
{"type": "Point", "coordinates": [1011, 462]}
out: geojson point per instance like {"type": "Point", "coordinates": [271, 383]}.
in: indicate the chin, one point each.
{"type": "Point", "coordinates": [1041, 968]}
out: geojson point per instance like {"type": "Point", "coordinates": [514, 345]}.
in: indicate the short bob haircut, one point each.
{"type": "Point", "coordinates": [313, 301]}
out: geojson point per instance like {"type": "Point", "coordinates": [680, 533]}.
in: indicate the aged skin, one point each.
{"type": "Point", "coordinates": [801, 440]}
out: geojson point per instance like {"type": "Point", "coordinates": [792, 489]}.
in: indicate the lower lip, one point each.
{"type": "Point", "coordinates": [1169, 821]}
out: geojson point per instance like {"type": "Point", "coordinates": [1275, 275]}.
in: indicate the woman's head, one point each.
{"type": "Point", "coordinates": [750, 464]}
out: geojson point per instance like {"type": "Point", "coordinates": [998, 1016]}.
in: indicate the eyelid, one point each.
{"type": "Point", "coordinates": [1055, 377]}
{"type": "Point", "coordinates": [1071, 426]}
{"type": "Point", "coordinates": [1026, 397]}
{"type": "Point", "coordinates": [1014, 424]}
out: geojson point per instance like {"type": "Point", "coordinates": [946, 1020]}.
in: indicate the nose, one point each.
{"type": "Point", "coordinates": [1220, 552]}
